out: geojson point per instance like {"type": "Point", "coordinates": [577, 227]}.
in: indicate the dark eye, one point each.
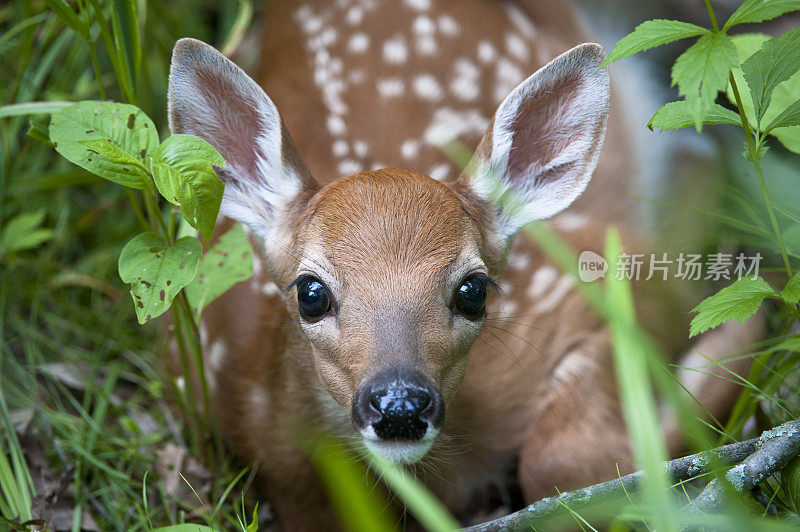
{"type": "Point", "coordinates": [471, 297]}
{"type": "Point", "coordinates": [312, 298]}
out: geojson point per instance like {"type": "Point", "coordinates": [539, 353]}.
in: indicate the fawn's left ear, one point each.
{"type": "Point", "coordinates": [541, 148]}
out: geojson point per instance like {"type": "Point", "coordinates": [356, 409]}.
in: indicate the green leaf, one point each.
{"type": "Point", "coordinates": [183, 169]}
{"type": "Point", "coordinates": [675, 115]}
{"type": "Point", "coordinates": [23, 232]}
{"type": "Point", "coordinates": [156, 271]}
{"type": "Point", "coordinates": [252, 526]}
{"type": "Point", "coordinates": [228, 262]}
{"type": "Point", "coordinates": [737, 302]}
{"type": "Point", "coordinates": [761, 10]}
{"type": "Point", "coordinates": [791, 292]}
{"type": "Point", "coordinates": [68, 17]}
{"type": "Point", "coordinates": [124, 126]}
{"type": "Point", "coordinates": [776, 61]}
{"type": "Point", "coordinates": [789, 117]}
{"type": "Point", "coordinates": [650, 34]}
{"type": "Point", "coordinates": [112, 152]}
{"type": "Point", "coordinates": [32, 108]}
{"type": "Point", "coordinates": [784, 95]}
{"type": "Point", "coordinates": [702, 71]}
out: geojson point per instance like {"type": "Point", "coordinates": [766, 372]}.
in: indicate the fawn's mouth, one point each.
{"type": "Point", "coordinates": [399, 451]}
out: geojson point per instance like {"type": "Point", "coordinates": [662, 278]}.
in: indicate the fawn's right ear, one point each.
{"type": "Point", "coordinates": [212, 98]}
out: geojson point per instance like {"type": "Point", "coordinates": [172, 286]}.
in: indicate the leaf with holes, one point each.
{"type": "Point", "coordinates": [183, 169]}
{"type": "Point", "coordinates": [675, 115]}
{"type": "Point", "coordinates": [737, 302]}
{"type": "Point", "coordinates": [776, 61]}
{"type": "Point", "coordinates": [157, 271]}
{"type": "Point", "coordinates": [80, 130]}
{"type": "Point", "coordinates": [650, 34]}
{"type": "Point", "coordinates": [761, 10]}
{"type": "Point", "coordinates": [228, 262]}
{"type": "Point", "coordinates": [702, 71]}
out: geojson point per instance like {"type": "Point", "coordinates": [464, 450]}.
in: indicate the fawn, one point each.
{"type": "Point", "coordinates": [371, 312]}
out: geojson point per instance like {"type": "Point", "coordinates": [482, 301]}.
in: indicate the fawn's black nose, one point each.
{"type": "Point", "coordinates": [398, 405]}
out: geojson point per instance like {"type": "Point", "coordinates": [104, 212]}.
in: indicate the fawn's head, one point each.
{"type": "Point", "coordinates": [387, 271]}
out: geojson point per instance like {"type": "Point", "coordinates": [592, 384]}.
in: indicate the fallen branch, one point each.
{"type": "Point", "coordinates": [776, 447]}
{"type": "Point", "coordinates": [767, 454]}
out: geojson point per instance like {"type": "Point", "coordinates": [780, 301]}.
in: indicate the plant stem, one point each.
{"type": "Point", "coordinates": [755, 158]}
{"type": "Point", "coordinates": [711, 14]}
{"type": "Point", "coordinates": [136, 208]}
{"type": "Point", "coordinates": [188, 395]}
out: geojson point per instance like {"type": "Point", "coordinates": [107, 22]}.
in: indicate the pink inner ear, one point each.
{"type": "Point", "coordinates": [545, 124]}
{"type": "Point", "coordinates": [232, 123]}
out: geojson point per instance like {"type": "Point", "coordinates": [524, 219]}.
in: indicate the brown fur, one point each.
{"type": "Point", "coordinates": [536, 387]}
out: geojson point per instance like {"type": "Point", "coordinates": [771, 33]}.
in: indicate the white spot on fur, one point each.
{"type": "Point", "coordinates": [360, 148]}
{"type": "Point", "coordinates": [516, 46]}
{"type": "Point", "coordinates": [426, 45]}
{"type": "Point", "coordinates": [521, 21]}
{"type": "Point", "coordinates": [418, 5]}
{"type": "Point", "coordinates": [259, 400]}
{"type": "Point", "coordinates": [542, 279]}
{"type": "Point", "coordinates": [308, 21]}
{"type": "Point", "coordinates": [440, 171]}
{"type": "Point", "coordinates": [509, 76]}
{"type": "Point", "coordinates": [551, 301]}
{"type": "Point", "coordinates": [447, 125]}
{"type": "Point", "coordinates": [270, 289]}
{"type": "Point", "coordinates": [377, 166]}
{"type": "Point", "coordinates": [464, 84]}
{"type": "Point", "coordinates": [340, 148]}
{"type": "Point", "coordinates": [427, 88]}
{"type": "Point", "coordinates": [574, 364]}
{"type": "Point", "coordinates": [217, 353]}
{"type": "Point", "coordinates": [448, 25]}
{"type": "Point", "coordinates": [350, 166]}
{"type": "Point", "coordinates": [358, 43]}
{"type": "Point", "coordinates": [356, 76]}
{"type": "Point", "coordinates": [390, 87]}
{"type": "Point", "coordinates": [518, 261]}
{"type": "Point", "coordinates": [423, 25]}
{"type": "Point", "coordinates": [409, 149]}
{"type": "Point", "coordinates": [354, 15]}
{"type": "Point", "coordinates": [336, 125]}
{"type": "Point", "coordinates": [486, 51]}
{"type": "Point", "coordinates": [395, 50]}
{"type": "Point", "coordinates": [570, 221]}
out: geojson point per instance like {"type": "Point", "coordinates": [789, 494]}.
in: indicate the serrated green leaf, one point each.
{"type": "Point", "coordinates": [183, 169]}
{"type": "Point", "coordinates": [737, 302]}
{"type": "Point", "coordinates": [784, 95]}
{"type": "Point", "coordinates": [126, 126]}
{"type": "Point", "coordinates": [675, 115]}
{"type": "Point", "coordinates": [791, 292]}
{"type": "Point", "coordinates": [789, 117]}
{"type": "Point", "coordinates": [702, 71]}
{"type": "Point", "coordinates": [157, 271]}
{"type": "Point", "coordinates": [23, 232]}
{"type": "Point", "coordinates": [228, 262]}
{"type": "Point", "coordinates": [760, 10]}
{"type": "Point", "coordinates": [776, 61]}
{"type": "Point", "coordinates": [650, 34]}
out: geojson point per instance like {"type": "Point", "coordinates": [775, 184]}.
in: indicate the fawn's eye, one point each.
{"type": "Point", "coordinates": [312, 298]}
{"type": "Point", "coordinates": [470, 299]}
